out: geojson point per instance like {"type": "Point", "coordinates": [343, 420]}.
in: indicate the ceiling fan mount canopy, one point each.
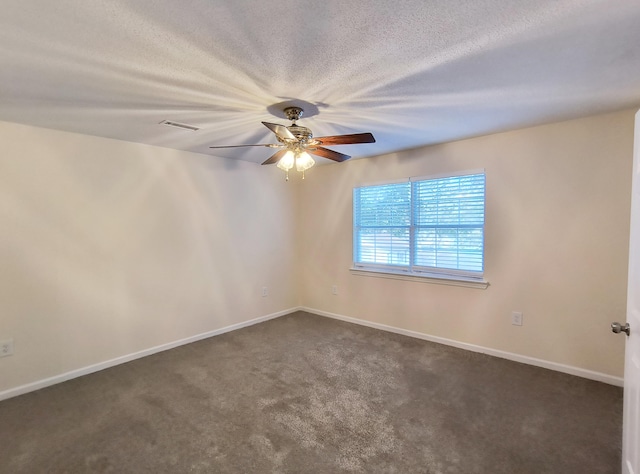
{"type": "Point", "coordinates": [293, 113]}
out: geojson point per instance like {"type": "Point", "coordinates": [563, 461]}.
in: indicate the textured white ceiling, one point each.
{"type": "Point", "coordinates": [412, 72]}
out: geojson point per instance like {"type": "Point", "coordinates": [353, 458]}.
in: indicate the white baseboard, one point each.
{"type": "Point", "coordinates": [567, 369]}
{"type": "Point", "coordinates": [30, 387]}
{"type": "Point", "coordinates": [588, 374]}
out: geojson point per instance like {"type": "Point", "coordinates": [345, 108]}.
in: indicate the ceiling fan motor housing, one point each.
{"type": "Point", "coordinates": [301, 133]}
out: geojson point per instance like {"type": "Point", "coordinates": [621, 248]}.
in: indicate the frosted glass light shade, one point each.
{"type": "Point", "coordinates": [304, 161]}
{"type": "Point", "coordinates": [287, 161]}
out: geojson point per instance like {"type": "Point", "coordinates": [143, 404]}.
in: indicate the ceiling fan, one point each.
{"type": "Point", "coordinates": [296, 142]}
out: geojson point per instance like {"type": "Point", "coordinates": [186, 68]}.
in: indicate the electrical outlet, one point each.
{"type": "Point", "coordinates": [334, 290]}
{"type": "Point", "coordinates": [6, 348]}
{"type": "Point", "coordinates": [516, 318]}
{"type": "Point", "coordinates": [265, 291]}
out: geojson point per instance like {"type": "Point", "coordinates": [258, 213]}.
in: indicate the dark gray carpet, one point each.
{"type": "Point", "coordinates": [306, 394]}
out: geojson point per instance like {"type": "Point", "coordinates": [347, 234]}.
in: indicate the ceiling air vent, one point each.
{"type": "Point", "coordinates": [185, 126]}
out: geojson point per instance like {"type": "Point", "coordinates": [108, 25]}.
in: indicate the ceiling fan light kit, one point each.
{"type": "Point", "coordinates": [301, 160]}
{"type": "Point", "coordinates": [296, 143]}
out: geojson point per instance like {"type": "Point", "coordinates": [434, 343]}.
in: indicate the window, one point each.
{"type": "Point", "coordinates": [424, 227]}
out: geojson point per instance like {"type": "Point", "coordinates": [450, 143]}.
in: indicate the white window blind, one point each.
{"type": "Point", "coordinates": [424, 226]}
{"type": "Point", "coordinates": [383, 224]}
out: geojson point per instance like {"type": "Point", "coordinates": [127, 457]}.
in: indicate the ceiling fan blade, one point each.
{"type": "Point", "coordinates": [326, 153]}
{"type": "Point", "coordinates": [280, 130]}
{"type": "Point", "coordinates": [270, 145]}
{"type": "Point", "coordinates": [275, 157]}
{"type": "Point", "coordinates": [346, 139]}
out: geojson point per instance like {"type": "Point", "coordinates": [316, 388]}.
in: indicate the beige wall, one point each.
{"type": "Point", "coordinates": [108, 248]}
{"type": "Point", "coordinates": [557, 231]}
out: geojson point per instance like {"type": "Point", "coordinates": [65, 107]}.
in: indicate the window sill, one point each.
{"type": "Point", "coordinates": [425, 278]}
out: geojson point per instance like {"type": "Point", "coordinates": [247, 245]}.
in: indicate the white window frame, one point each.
{"type": "Point", "coordinates": [473, 279]}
